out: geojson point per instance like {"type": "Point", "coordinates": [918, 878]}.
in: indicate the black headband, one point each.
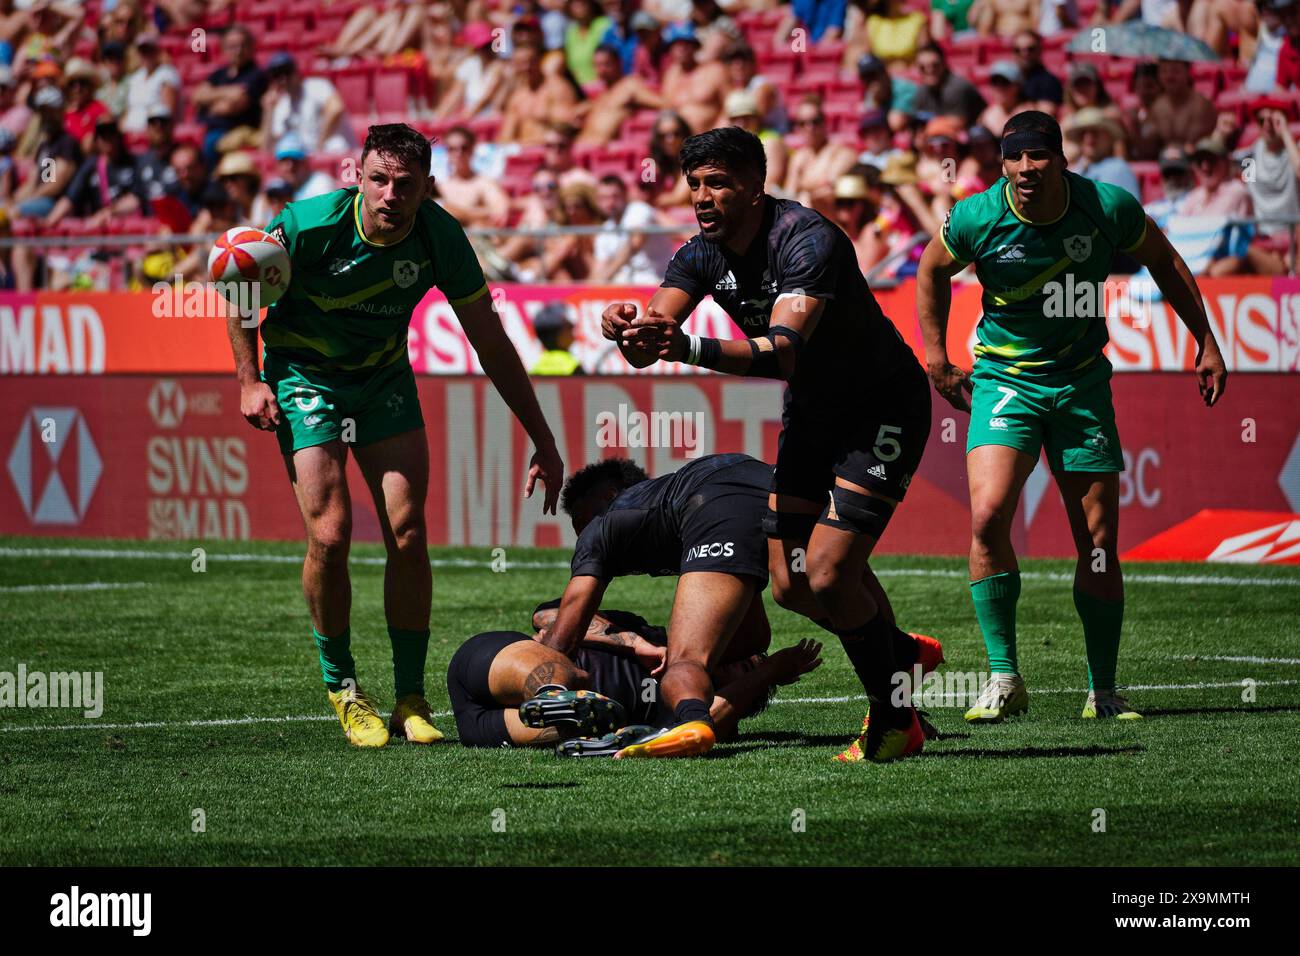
{"type": "Point", "coordinates": [1015, 143]}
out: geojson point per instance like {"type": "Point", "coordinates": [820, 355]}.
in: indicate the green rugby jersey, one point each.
{"type": "Point", "coordinates": [1029, 270]}
{"type": "Point", "coordinates": [350, 300]}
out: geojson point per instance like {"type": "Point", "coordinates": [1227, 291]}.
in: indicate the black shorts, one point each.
{"type": "Point", "coordinates": [480, 720]}
{"type": "Point", "coordinates": [722, 528]}
{"type": "Point", "coordinates": [876, 444]}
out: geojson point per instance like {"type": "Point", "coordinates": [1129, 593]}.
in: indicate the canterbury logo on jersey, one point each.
{"type": "Point", "coordinates": [1012, 252]}
{"type": "Point", "coordinates": [718, 549]}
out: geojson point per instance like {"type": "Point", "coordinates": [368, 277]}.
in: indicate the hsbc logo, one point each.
{"type": "Point", "coordinates": [168, 402]}
{"type": "Point", "coordinates": [717, 549]}
{"type": "Point", "coordinates": [54, 465]}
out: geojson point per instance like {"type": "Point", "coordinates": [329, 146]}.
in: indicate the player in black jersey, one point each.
{"type": "Point", "coordinates": [698, 522]}
{"type": "Point", "coordinates": [857, 404]}
{"type": "Point", "coordinates": [510, 690]}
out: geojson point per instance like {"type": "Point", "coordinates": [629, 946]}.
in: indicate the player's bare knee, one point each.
{"type": "Point", "coordinates": [990, 522]}
{"type": "Point", "coordinates": [410, 539]}
{"type": "Point", "coordinates": [329, 539]}
{"type": "Point", "coordinates": [829, 580]}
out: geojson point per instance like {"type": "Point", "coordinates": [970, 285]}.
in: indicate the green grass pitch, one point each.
{"type": "Point", "coordinates": [219, 671]}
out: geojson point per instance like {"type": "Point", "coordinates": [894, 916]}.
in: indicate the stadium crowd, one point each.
{"type": "Point", "coordinates": [190, 116]}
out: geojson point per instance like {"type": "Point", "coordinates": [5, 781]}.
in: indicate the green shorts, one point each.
{"type": "Point", "coordinates": [1073, 418]}
{"type": "Point", "coordinates": [318, 407]}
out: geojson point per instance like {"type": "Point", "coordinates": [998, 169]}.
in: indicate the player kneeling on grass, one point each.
{"type": "Point", "coordinates": [336, 377]}
{"type": "Point", "coordinates": [698, 522]}
{"type": "Point", "coordinates": [1041, 380]}
{"type": "Point", "coordinates": [509, 690]}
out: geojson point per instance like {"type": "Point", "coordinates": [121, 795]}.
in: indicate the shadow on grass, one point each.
{"type": "Point", "coordinates": [794, 736]}
{"type": "Point", "coordinates": [1034, 752]}
{"type": "Point", "coordinates": [553, 785]}
{"type": "Point", "coordinates": [1245, 709]}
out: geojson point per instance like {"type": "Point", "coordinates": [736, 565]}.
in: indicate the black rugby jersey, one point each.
{"type": "Point", "coordinates": [854, 349]}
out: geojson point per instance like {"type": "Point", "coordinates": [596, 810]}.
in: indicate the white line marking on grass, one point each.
{"type": "Point", "coordinates": [129, 554]}
{"type": "Point", "coordinates": [1186, 658]}
{"type": "Point", "coordinates": [1128, 576]}
{"type": "Point", "coordinates": [155, 724]}
{"type": "Point", "coordinates": [300, 718]}
{"type": "Point", "coordinates": [88, 586]}
{"type": "Point", "coordinates": [139, 555]}
{"type": "Point", "coordinates": [1216, 685]}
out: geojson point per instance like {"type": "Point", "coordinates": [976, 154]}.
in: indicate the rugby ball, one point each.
{"type": "Point", "coordinates": [247, 260]}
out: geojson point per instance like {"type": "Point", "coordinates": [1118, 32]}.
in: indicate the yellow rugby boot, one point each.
{"type": "Point", "coordinates": [361, 722]}
{"type": "Point", "coordinates": [1003, 696]}
{"type": "Point", "coordinates": [411, 719]}
{"type": "Point", "coordinates": [1107, 703]}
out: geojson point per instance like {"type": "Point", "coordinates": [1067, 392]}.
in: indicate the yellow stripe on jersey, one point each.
{"type": "Point", "coordinates": [472, 297]}
{"type": "Point", "coordinates": [1035, 284]}
{"type": "Point", "coordinates": [328, 304]}
{"type": "Point", "coordinates": [1044, 222]}
{"type": "Point", "coordinates": [361, 232]}
{"type": "Point", "coordinates": [276, 336]}
{"type": "Point", "coordinates": [1141, 238]}
{"type": "Point", "coordinates": [944, 240]}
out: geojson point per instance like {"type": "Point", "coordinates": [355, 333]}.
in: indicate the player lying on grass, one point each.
{"type": "Point", "coordinates": [857, 405]}
{"type": "Point", "coordinates": [1041, 380]}
{"type": "Point", "coordinates": [336, 378]}
{"type": "Point", "coordinates": [510, 690]}
{"type": "Point", "coordinates": [698, 523]}
{"type": "Point", "coordinates": [702, 523]}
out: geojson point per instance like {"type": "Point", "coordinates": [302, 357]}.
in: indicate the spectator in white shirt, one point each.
{"type": "Point", "coordinates": [154, 82]}
{"type": "Point", "coordinates": [291, 163]}
{"type": "Point", "coordinates": [623, 257]}
{"type": "Point", "coordinates": [309, 106]}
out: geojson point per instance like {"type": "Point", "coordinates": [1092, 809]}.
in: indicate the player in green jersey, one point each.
{"type": "Point", "coordinates": [336, 377]}
{"type": "Point", "coordinates": [1043, 241]}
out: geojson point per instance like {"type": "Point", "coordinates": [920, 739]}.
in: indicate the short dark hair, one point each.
{"type": "Point", "coordinates": [401, 142]}
{"type": "Point", "coordinates": [614, 179]}
{"type": "Point", "coordinates": [739, 50]}
{"type": "Point", "coordinates": [932, 47]}
{"type": "Point", "coordinates": [464, 131]}
{"type": "Point", "coordinates": [1034, 121]}
{"type": "Point", "coordinates": [730, 147]}
{"type": "Point", "coordinates": [620, 473]}
{"type": "Point", "coordinates": [610, 49]}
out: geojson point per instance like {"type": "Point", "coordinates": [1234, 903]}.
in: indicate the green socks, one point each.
{"type": "Point", "coordinates": [409, 649]}
{"type": "Point", "coordinates": [995, 607]}
{"type": "Point", "coordinates": [1102, 621]}
{"type": "Point", "coordinates": [336, 664]}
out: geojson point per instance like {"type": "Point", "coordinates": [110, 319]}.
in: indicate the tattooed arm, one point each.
{"type": "Point", "coordinates": [573, 620]}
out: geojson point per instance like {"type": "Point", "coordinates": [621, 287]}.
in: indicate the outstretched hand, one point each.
{"type": "Point", "coordinates": [1211, 375]}
{"type": "Point", "coordinates": [546, 466]}
{"type": "Point", "coordinates": [951, 382]}
{"type": "Point", "coordinates": [791, 663]}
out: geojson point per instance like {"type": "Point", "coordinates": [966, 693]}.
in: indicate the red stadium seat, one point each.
{"type": "Point", "coordinates": [353, 85]}
{"type": "Point", "coordinates": [779, 70]}
{"type": "Point", "coordinates": [392, 91]}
